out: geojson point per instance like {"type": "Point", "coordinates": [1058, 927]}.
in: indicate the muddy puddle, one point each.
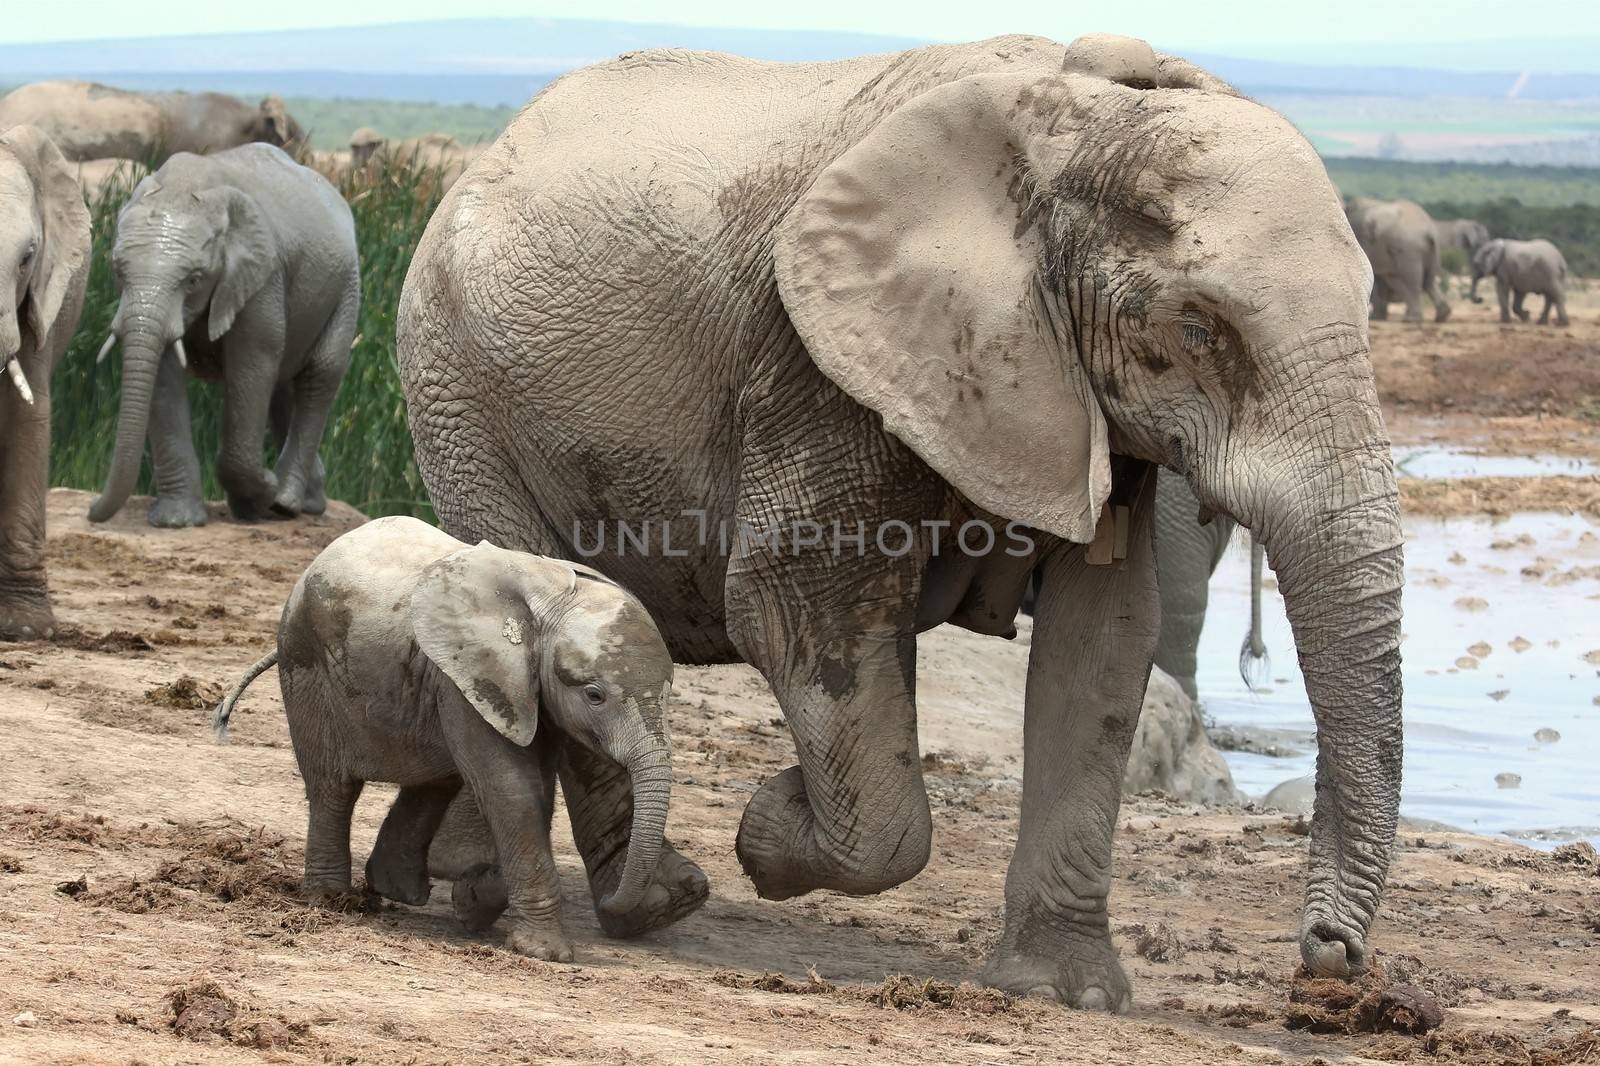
{"type": "Point", "coordinates": [1502, 673]}
{"type": "Point", "coordinates": [1432, 462]}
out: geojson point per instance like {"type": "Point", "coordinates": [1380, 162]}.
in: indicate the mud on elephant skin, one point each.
{"type": "Point", "coordinates": [503, 658]}
{"type": "Point", "coordinates": [996, 283]}
{"type": "Point", "coordinates": [44, 268]}
{"type": "Point", "coordinates": [241, 268]}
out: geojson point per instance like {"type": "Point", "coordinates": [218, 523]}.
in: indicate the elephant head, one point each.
{"type": "Point", "coordinates": [179, 256]}
{"type": "Point", "coordinates": [364, 144]}
{"type": "Point", "coordinates": [1024, 275]}
{"type": "Point", "coordinates": [523, 637]}
{"type": "Point", "coordinates": [1486, 262]}
{"type": "Point", "coordinates": [44, 244]}
{"type": "Point", "coordinates": [274, 125]}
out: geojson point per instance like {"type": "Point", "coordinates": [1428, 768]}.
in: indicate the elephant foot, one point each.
{"type": "Point", "coordinates": [1332, 952]}
{"type": "Point", "coordinates": [177, 512]}
{"type": "Point", "coordinates": [678, 889]}
{"type": "Point", "coordinates": [478, 897]}
{"type": "Point", "coordinates": [314, 502]}
{"type": "Point", "coordinates": [404, 880]}
{"type": "Point", "coordinates": [1523, 316]}
{"type": "Point", "coordinates": [777, 846]}
{"type": "Point", "coordinates": [1083, 973]}
{"type": "Point", "coordinates": [540, 942]}
{"type": "Point", "coordinates": [1442, 314]}
{"type": "Point", "coordinates": [27, 618]}
{"type": "Point", "coordinates": [247, 508]}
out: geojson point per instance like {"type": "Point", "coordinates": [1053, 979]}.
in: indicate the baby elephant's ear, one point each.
{"type": "Point", "coordinates": [471, 615]}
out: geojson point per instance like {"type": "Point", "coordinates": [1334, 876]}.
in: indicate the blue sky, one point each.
{"type": "Point", "coordinates": [1192, 23]}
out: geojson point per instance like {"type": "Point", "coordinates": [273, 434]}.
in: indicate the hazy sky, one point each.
{"type": "Point", "coordinates": [1173, 22]}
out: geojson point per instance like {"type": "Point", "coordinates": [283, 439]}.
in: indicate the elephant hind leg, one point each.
{"type": "Point", "coordinates": [397, 869]}
{"type": "Point", "coordinates": [332, 798]}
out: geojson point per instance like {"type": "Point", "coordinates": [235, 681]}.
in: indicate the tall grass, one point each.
{"type": "Point", "coordinates": [367, 447]}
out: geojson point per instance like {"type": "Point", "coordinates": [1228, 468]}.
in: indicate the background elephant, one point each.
{"type": "Point", "coordinates": [1520, 268]}
{"type": "Point", "coordinates": [44, 267]}
{"type": "Point", "coordinates": [1402, 245]}
{"type": "Point", "coordinates": [1464, 234]}
{"type": "Point", "coordinates": [92, 121]}
{"type": "Point", "coordinates": [803, 317]}
{"type": "Point", "coordinates": [436, 153]}
{"type": "Point", "coordinates": [407, 656]}
{"type": "Point", "coordinates": [242, 267]}
{"type": "Point", "coordinates": [1187, 554]}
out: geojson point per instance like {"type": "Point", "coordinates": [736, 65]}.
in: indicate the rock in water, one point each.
{"type": "Point", "coordinates": [1171, 751]}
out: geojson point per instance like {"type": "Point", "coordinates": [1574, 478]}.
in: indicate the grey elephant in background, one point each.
{"type": "Point", "coordinates": [241, 267]}
{"type": "Point", "coordinates": [1520, 268]}
{"type": "Point", "coordinates": [407, 656]}
{"type": "Point", "coordinates": [92, 121]}
{"type": "Point", "coordinates": [994, 283]}
{"type": "Point", "coordinates": [1463, 233]}
{"type": "Point", "coordinates": [1402, 245]}
{"type": "Point", "coordinates": [1187, 554]}
{"type": "Point", "coordinates": [44, 267]}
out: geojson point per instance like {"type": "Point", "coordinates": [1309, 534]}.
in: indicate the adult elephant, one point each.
{"type": "Point", "coordinates": [1402, 244]}
{"type": "Point", "coordinates": [1463, 233]}
{"type": "Point", "coordinates": [1520, 268]}
{"type": "Point", "coordinates": [1187, 554]}
{"type": "Point", "coordinates": [806, 318]}
{"type": "Point", "coordinates": [44, 267]}
{"type": "Point", "coordinates": [92, 121]}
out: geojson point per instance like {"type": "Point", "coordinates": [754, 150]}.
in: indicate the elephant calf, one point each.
{"type": "Point", "coordinates": [1521, 267]}
{"type": "Point", "coordinates": [405, 655]}
{"type": "Point", "coordinates": [241, 267]}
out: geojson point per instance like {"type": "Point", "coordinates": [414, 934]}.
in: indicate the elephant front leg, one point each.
{"type": "Point", "coordinates": [1502, 291]}
{"type": "Point", "coordinates": [853, 815]}
{"type": "Point", "coordinates": [179, 501]}
{"type": "Point", "coordinates": [1094, 632]}
{"type": "Point", "coordinates": [1516, 305]}
{"type": "Point", "coordinates": [25, 612]}
{"type": "Point", "coordinates": [249, 383]}
{"type": "Point", "coordinates": [509, 788]}
{"type": "Point", "coordinates": [1380, 300]}
{"type": "Point", "coordinates": [299, 471]}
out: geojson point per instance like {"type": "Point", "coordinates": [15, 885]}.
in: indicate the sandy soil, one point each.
{"type": "Point", "coordinates": [147, 907]}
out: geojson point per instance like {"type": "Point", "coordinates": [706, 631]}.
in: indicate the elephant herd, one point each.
{"type": "Point", "coordinates": [719, 360]}
{"type": "Point", "coordinates": [1404, 245]}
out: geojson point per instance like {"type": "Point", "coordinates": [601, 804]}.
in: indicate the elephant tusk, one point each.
{"type": "Point", "coordinates": [20, 380]}
{"type": "Point", "coordinates": [183, 357]}
{"type": "Point", "coordinates": [105, 349]}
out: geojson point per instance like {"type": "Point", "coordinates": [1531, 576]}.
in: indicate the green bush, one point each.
{"type": "Point", "coordinates": [367, 447]}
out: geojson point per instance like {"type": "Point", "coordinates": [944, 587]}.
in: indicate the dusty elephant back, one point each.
{"type": "Point", "coordinates": [351, 602]}
{"type": "Point", "coordinates": [86, 120]}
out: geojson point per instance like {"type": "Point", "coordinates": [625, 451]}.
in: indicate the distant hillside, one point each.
{"type": "Point", "coordinates": [498, 57]}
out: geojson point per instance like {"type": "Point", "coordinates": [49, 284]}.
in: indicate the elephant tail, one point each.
{"type": "Point", "coordinates": [1254, 663]}
{"type": "Point", "coordinates": [225, 708]}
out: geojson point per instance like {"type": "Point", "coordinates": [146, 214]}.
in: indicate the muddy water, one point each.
{"type": "Point", "coordinates": [1502, 674]}
{"type": "Point", "coordinates": [1423, 461]}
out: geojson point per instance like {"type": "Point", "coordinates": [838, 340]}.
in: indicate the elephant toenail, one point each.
{"type": "Point", "coordinates": [1045, 992]}
{"type": "Point", "coordinates": [1094, 999]}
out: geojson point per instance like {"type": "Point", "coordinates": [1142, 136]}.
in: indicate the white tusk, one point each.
{"type": "Point", "coordinates": [105, 349]}
{"type": "Point", "coordinates": [20, 380]}
{"type": "Point", "coordinates": [183, 357]}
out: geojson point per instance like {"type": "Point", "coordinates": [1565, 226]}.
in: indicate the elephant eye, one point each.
{"type": "Point", "coordinates": [1200, 333]}
{"type": "Point", "coordinates": [192, 281]}
{"type": "Point", "coordinates": [27, 254]}
{"type": "Point", "coordinates": [594, 694]}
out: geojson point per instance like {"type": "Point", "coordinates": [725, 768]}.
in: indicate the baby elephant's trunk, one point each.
{"type": "Point", "coordinates": [650, 768]}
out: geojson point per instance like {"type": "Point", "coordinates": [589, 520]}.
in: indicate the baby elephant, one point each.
{"type": "Point", "coordinates": [405, 655]}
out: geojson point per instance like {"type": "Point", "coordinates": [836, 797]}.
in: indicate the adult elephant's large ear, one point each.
{"type": "Point", "coordinates": [910, 269]}
{"type": "Point", "coordinates": [248, 252]}
{"type": "Point", "coordinates": [481, 615]}
{"type": "Point", "coordinates": [64, 247]}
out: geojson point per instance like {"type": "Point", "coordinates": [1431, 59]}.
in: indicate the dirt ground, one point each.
{"type": "Point", "coordinates": [147, 875]}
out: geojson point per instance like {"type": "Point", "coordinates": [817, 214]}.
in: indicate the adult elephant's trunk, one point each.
{"type": "Point", "coordinates": [1336, 544]}
{"type": "Point", "coordinates": [650, 768]}
{"type": "Point", "coordinates": [143, 344]}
